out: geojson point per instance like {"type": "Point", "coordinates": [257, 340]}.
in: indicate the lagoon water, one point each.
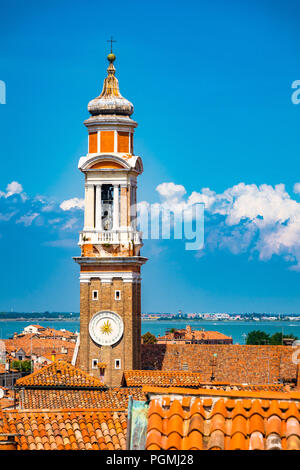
{"type": "Point", "coordinates": [237, 329]}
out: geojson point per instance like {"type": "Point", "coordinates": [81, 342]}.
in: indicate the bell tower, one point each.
{"type": "Point", "coordinates": [110, 261]}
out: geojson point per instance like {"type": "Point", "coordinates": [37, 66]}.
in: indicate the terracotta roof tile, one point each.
{"type": "Point", "coordinates": [155, 422]}
{"type": "Point", "coordinates": [66, 429]}
{"type": "Point", "coordinates": [134, 378]}
{"type": "Point", "coordinates": [227, 424]}
{"type": "Point", "coordinates": [112, 398]}
{"type": "Point", "coordinates": [239, 425]}
{"type": "Point", "coordinates": [216, 441]}
{"type": "Point", "coordinates": [256, 441]}
{"type": "Point", "coordinates": [33, 344]}
{"type": "Point", "coordinates": [293, 443]}
{"type": "Point", "coordinates": [292, 427]}
{"type": "Point", "coordinates": [292, 411]}
{"type": "Point", "coordinates": [237, 442]}
{"type": "Point", "coordinates": [193, 441]}
{"type": "Point", "coordinates": [60, 374]}
{"type": "Point", "coordinates": [271, 364]}
{"type": "Point", "coordinates": [256, 423]}
{"type": "Point", "coordinates": [218, 423]}
{"type": "Point", "coordinates": [154, 439]}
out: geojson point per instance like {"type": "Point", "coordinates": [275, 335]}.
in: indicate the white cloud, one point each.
{"type": "Point", "coordinates": [245, 218]}
{"type": "Point", "coordinates": [12, 189]}
{"type": "Point", "coordinates": [296, 188]}
{"type": "Point", "coordinates": [27, 219]}
{"type": "Point", "coordinates": [74, 203]}
{"type": "Point", "coordinates": [6, 217]}
{"type": "Point", "coordinates": [171, 191]}
{"type": "Point", "coordinates": [69, 225]}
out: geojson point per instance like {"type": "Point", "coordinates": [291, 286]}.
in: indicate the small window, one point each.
{"type": "Point", "coordinates": [95, 295]}
{"type": "Point", "coordinates": [117, 363]}
{"type": "Point", "coordinates": [117, 295]}
{"type": "Point", "coordinates": [94, 363]}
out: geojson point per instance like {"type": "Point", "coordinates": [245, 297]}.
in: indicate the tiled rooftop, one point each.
{"type": "Point", "coordinates": [244, 387]}
{"type": "Point", "coordinates": [59, 374]}
{"type": "Point", "coordinates": [192, 423]}
{"type": "Point", "coordinates": [113, 399]}
{"type": "Point", "coordinates": [227, 363]}
{"type": "Point", "coordinates": [33, 344]}
{"type": "Point", "coordinates": [50, 332]}
{"type": "Point", "coordinates": [216, 393]}
{"type": "Point", "coordinates": [7, 401]}
{"type": "Point", "coordinates": [66, 429]}
{"type": "Point", "coordinates": [135, 378]}
{"type": "Point", "coordinates": [138, 378]}
{"type": "Point", "coordinates": [199, 335]}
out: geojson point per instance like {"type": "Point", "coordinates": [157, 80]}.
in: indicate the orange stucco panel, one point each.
{"type": "Point", "coordinates": [123, 142]}
{"type": "Point", "coordinates": [131, 144]}
{"type": "Point", "coordinates": [107, 141]}
{"type": "Point", "coordinates": [93, 142]}
{"type": "Point", "coordinates": [106, 164]}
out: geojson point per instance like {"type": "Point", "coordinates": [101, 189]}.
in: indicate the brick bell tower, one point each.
{"type": "Point", "coordinates": [110, 261]}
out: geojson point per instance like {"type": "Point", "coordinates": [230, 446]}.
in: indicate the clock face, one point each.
{"type": "Point", "coordinates": [106, 328]}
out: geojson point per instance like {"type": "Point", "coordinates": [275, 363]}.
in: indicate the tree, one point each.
{"type": "Point", "coordinates": [277, 338]}
{"type": "Point", "coordinates": [22, 366]}
{"type": "Point", "coordinates": [257, 337]}
{"type": "Point", "coordinates": [172, 330]}
{"type": "Point", "coordinates": [148, 338]}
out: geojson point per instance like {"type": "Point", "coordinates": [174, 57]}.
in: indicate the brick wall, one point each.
{"type": "Point", "coordinates": [233, 363]}
{"type": "Point", "coordinates": [128, 348]}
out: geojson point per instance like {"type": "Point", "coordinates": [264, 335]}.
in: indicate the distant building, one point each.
{"type": "Point", "coordinates": [33, 329]}
{"type": "Point", "coordinates": [189, 336]}
{"type": "Point", "coordinates": [42, 346]}
{"type": "Point", "coordinates": [45, 332]}
{"type": "Point", "coordinates": [8, 376]}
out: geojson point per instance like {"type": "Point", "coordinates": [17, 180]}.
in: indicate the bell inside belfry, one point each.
{"type": "Point", "coordinates": [107, 206]}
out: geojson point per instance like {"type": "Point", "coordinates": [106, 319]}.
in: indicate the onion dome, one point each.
{"type": "Point", "coordinates": [110, 101]}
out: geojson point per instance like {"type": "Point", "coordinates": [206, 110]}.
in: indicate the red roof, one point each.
{"type": "Point", "coordinates": [40, 346]}
{"type": "Point", "coordinates": [192, 423]}
{"type": "Point", "coordinates": [135, 378]}
{"type": "Point", "coordinates": [60, 374]}
{"type": "Point", "coordinates": [113, 398]}
{"type": "Point", "coordinates": [66, 429]}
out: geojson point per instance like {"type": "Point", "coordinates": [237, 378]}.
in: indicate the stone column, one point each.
{"type": "Point", "coordinates": [124, 206]}
{"type": "Point", "coordinates": [129, 201]}
{"type": "Point", "coordinates": [89, 207]}
{"type": "Point", "coordinates": [98, 213]}
{"type": "Point", "coordinates": [116, 222]}
{"type": "Point", "coordinates": [133, 209]}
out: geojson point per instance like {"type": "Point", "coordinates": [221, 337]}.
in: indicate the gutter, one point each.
{"type": "Point", "coordinates": [137, 424]}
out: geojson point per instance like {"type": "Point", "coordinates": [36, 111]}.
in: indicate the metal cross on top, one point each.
{"type": "Point", "coordinates": [111, 40]}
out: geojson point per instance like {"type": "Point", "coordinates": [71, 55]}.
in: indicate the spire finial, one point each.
{"type": "Point", "coordinates": [111, 57]}
{"type": "Point", "coordinates": [110, 101]}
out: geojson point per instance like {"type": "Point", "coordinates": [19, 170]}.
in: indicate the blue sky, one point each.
{"type": "Point", "coordinates": [211, 85]}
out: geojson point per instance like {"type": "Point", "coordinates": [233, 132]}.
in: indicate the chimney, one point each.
{"type": "Point", "coordinates": [8, 442]}
{"type": "Point", "coordinates": [53, 355]}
